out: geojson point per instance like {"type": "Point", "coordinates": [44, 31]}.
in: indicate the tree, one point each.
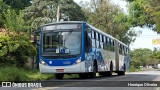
{"type": "Point", "coordinates": [110, 19]}
{"type": "Point", "coordinates": [15, 46]}
{"type": "Point", "coordinates": [3, 8]}
{"type": "Point", "coordinates": [140, 57]}
{"type": "Point", "coordinates": [145, 13]}
{"type": "Point", "coordinates": [14, 22]}
{"type": "Point", "coordinates": [18, 4]}
{"type": "Point", "coordinates": [44, 11]}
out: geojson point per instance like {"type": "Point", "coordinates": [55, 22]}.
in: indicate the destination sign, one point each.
{"type": "Point", "coordinates": [62, 26]}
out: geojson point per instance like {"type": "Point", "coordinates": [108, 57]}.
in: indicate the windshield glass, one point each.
{"type": "Point", "coordinates": [61, 43]}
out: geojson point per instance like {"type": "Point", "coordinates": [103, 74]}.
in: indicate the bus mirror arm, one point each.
{"type": "Point", "coordinates": [35, 41]}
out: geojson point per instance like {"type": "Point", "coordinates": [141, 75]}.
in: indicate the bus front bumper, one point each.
{"type": "Point", "coordinates": [76, 68]}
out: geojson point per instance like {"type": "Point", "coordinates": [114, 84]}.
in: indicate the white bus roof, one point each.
{"type": "Point", "coordinates": [62, 22]}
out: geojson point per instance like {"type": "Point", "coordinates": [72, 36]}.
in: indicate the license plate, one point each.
{"type": "Point", "coordinates": [60, 70]}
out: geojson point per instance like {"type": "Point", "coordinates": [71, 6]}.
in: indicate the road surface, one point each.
{"type": "Point", "coordinates": [114, 82]}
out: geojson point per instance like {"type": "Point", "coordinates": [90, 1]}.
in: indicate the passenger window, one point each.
{"type": "Point", "coordinates": [93, 43]}
{"type": "Point", "coordinates": [97, 36]}
{"type": "Point", "coordinates": [100, 37]}
{"type": "Point", "coordinates": [97, 43]}
{"type": "Point", "coordinates": [104, 39]}
{"type": "Point", "coordinates": [109, 41]}
{"type": "Point", "coordinates": [92, 34]}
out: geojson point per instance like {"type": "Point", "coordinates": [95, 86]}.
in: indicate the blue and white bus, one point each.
{"type": "Point", "coordinates": [75, 47]}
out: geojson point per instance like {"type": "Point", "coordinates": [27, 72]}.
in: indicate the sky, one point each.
{"type": "Point", "coordinates": [143, 40]}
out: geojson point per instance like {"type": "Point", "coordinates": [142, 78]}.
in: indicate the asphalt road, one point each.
{"type": "Point", "coordinates": [114, 82]}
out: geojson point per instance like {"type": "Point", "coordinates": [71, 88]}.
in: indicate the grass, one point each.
{"type": "Point", "coordinates": [35, 75]}
{"type": "Point", "coordinates": [12, 73]}
{"type": "Point", "coordinates": [19, 74]}
{"type": "Point", "coordinates": [134, 69]}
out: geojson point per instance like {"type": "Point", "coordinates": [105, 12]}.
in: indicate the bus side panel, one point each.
{"type": "Point", "coordinates": [121, 62]}
{"type": "Point", "coordinates": [108, 56]}
{"type": "Point", "coordinates": [126, 60]}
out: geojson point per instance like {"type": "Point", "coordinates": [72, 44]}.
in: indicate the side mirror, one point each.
{"type": "Point", "coordinates": [36, 39]}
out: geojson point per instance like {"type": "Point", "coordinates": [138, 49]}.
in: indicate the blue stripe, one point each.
{"type": "Point", "coordinates": [39, 47]}
{"type": "Point", "coordinates": [83, 47]}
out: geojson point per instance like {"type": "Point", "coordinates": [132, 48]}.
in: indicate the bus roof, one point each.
{"type": "Point", "coordinates": [65, 22]}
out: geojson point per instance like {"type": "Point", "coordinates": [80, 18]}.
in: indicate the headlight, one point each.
{"type": "Point", "coordinates": [42, 62]}
{"type": "Point", "coordinates": [78, 61]}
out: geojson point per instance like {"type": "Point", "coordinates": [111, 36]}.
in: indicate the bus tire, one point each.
{"type": "Point", "coordinates": [83, 75]}
{"type": "Point", "coordinates": [109, 73]}
{"type": "Point", "coordinates": [122, 72]}
{"type": "Point", "coordinates": [93, 74]}
{"type": "Point", "coordinates": [59, 76]}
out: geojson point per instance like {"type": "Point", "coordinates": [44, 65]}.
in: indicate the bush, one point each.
{"type": "Point", "coordinates": [134, 69]}
{"type": "Point", "coordinates": [15, 50]}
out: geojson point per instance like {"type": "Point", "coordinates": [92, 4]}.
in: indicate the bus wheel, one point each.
{"type": "Point", "coordinates": [122, 72]}
{"type": "Point", "coordinates": [59, 76]}
{"type": "Point", "coordinates": [83, 75]}
{"type": "Point", "coordinates": [109, 73]}
{"type": "Point", "coordinates": [93, 74]}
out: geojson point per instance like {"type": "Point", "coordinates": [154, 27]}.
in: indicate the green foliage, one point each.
{"type": "Point", "coordinates": [144, 57]}
{"type": "Point", "coordinates": [145, 13]}
{"type": "Point", "coordinates": [15, 50]}
{"type": "Point", "coordinates": [14, 22]}
{"type": "Point", "coordinates": [15, 47]}
{"type": "Point", "coordinates": [139, 57]}
{"type": "Point", "coordinates": [134, 69]}
{"type": "Point", "coordinates": [12, 73]}
{"type": "Point", "coordinates": [45, 11]}
{"type": "Point", "coordinates": [110, 19]}
{"type": "Point", "coordinates": [3, 8]}
{"type": "Point", "coordinates": [17, 4]}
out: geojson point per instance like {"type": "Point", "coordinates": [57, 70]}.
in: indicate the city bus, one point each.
{"type": "Point", "coordinates": [76, 47]}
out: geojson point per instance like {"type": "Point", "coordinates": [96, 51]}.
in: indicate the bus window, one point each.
{"type": "Point", "coordinates": [127, 50]}
{"type": "Point", "coordinates": [92, 34]}
{"type": "Point", "coordinates": [97, 38]}
{"type": "Point", "coordinates": [88, 40]}
{"type": "Point", "coordinates": [100, 37]}
{"type": "Point", "coordinates": [53, 42]}
{"type": "Point", "coordinates": [122, 50]}
{"type": "Point", "coordinates": [93, 43]}
{"type": "Point", "coordinates": [109, 41]}
{"type": "Point", "coordinates": [101, 45]}
{"type": "Point", "coordinates": [89, 34]}
{"type": "Point", "coordinates": [113, 43]}
{"type": "Point", "coordinates": [104, 39]}
{"type": "Point", "coordinates": [97, 43]}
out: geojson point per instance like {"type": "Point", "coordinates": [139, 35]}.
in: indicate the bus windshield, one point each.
{"type": "Point", "coordinates": [61, 43]}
